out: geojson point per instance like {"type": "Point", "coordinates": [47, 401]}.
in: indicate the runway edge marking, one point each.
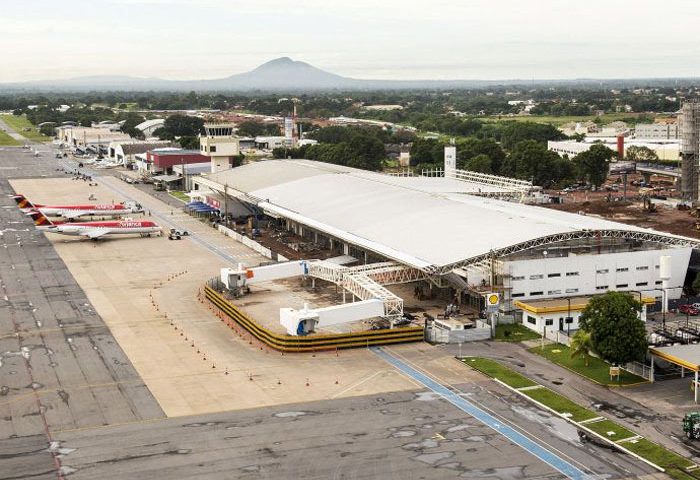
{"type": "Point", "coordinates": [556, 462]}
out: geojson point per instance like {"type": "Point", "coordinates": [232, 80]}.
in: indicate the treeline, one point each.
{"type": "Point", "coordinates": [183, 129]}
{"type": "Point", "coordinates": [417, 105]}
{"type": "Point", "coordinates": [527, 159]}
{"type": "Point", "coordinates": [358, 147]}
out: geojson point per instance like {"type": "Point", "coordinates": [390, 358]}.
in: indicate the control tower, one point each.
{"type": "Point", "coordinates": [219, 144]}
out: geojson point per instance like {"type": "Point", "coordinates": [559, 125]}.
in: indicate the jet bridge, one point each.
{"type": "Point", "coordinates": [364, 282]}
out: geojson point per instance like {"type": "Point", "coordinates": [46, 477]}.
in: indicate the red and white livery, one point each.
{"type": "Point", "coordinates": [95, 230]}
{"type": "Point", "coordinates": [75, 211]}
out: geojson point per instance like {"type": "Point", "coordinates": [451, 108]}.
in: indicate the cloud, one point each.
{"type": "Point", "coordinates": [389, 38]}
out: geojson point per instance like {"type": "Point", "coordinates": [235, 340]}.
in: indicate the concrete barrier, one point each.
{"type": "Point", "coordinates": [312, 343]}
{"type": "Point", "coordinates": [250, 243]}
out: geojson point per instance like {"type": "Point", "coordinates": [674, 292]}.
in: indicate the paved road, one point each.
{"type": "Point", "coordinates": [12, 133]}
{"type": "Point", "coordinates": [636, 408]}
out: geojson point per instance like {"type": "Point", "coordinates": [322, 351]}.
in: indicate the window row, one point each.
{"type": "Point", "coordinates": [550, 292]}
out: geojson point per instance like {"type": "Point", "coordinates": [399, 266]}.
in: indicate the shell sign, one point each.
{"type": "Point", "coordinates": [492, 302]}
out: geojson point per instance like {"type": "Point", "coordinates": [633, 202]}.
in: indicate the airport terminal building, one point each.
{"type": "Point", "coordinates": [472, 235]}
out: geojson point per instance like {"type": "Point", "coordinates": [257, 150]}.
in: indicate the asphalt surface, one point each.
{"type": "Point", "coordinates": [59, 365]}
{"type": "Point", "coordinates": [72, 405]}
{"type": "Point", "coordinates": [650, 409]}
{"type": "Point", "coordinates": [408, 435]}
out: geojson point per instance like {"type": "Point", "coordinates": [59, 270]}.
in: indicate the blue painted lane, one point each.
{"type": "Point", "coordinates": [466, 406]}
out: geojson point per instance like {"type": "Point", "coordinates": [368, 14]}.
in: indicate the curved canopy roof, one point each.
{"type": "Point", "coordinates": [414, 220]}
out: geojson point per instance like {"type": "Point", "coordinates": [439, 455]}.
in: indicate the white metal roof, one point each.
{"type": "Point", "coordinates": [412, 222]}
{"type": "Point", "coordinates": [150, 123]}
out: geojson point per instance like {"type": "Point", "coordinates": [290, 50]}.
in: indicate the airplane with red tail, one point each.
{"type": "Point", "coordinates": [75, 211]}
{"type": "Point", "coordinates": [95, 230]}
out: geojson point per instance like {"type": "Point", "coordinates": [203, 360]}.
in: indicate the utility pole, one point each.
{"type": "Point", "coordinates": [226, 205]}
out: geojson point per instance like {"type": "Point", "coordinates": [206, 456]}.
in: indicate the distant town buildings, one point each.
{"type": "Point", "coordinates": [382, 108]}
{"type": "Point", "coordinates": [657, 131]}
{"type": "Point", "coordinates": [84, 137]}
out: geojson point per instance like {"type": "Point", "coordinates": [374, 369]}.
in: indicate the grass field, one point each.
{"type": "Point", "coordinates": [557, 121]}
{"type": "Point", "coordinates": [179, 195]}
{"type": "Point", "coordinates": [560, 404]}
{"type": "Point", "coordinates": [597, 370]}
{"type": "Point", "coordinates": [20, 123]}
{"type": "Point", "coordinates": [605, 427]}
{"type": "Point", "coordinates": [495, 370]}
{"type": "Point", "coordinates": [514, 332]}
{"type": "Point", "coordinates": [7, 141]}
{"type": "Point", "coordinates": [674, 464]}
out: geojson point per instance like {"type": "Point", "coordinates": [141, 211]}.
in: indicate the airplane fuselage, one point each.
{"type": "Point", "coordinates": [75, 211]}
{"type": "Point", "coordinates": [91, 229]}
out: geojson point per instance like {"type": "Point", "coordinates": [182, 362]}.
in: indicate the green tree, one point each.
{"type": "Point", "coordinates": [515, 132]}
{"type": "Point", "coordinates": [581, 345]}
{"type": "Point", "coordinates": [189, 142]}
{"type": "Point", "coordinates": [594, 164]}
{"type": "Point", "coordinates": [636, 153]}
{"type": "Point", "coordinates": [470, 147]}
{"type": "Point", "coordinates": [252, 128]}
{"type": "Point", "coordinates": [49, 129]}
{"type": "Point", "coordinates": [530, 160]}
{"type": "Point", "coordinates": [129, 125]}
{"type": "Point", "coordinates": [617, 333]}
{"type": "Point", "coordinates": [480, 163]}
{"type": "Point", "coordinates": [180, 126]}
{"type": "Point", "coordinates": [427, 150]}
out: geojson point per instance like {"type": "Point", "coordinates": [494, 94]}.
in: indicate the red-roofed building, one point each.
{"type": "Point", "coordinates": [161, 161]}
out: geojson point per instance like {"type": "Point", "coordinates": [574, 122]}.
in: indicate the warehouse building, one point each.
{"type": "Point", "coordinates": [162, 160]}
{"type": "Point", "coordinates": [454, 235]}
{"type": "Point", "coordinates": [124, 152]}
{"type": "Point", "coordinates": [148, 127]}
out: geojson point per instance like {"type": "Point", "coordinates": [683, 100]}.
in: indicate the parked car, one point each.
{"type": "Point", "coordinates": [178, 232]}
{"type": "Point", "coordinates": [696, 306]}
{"type": "Point", "coordinates": [688, 309]}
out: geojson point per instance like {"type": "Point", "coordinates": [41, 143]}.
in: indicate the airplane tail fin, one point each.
{"type": "Point", "coordinates": [22, 201]}
{"type": "Point", "coordinates": [39, 219]}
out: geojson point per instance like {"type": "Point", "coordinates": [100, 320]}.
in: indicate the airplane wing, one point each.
{"type": "Point", "coordinates": [94, 232]}
{"type": "Point", "coordinates": [73, 214]}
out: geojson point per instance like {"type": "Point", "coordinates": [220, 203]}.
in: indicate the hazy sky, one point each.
{"type": "Point", "coordinates": [393, 39]}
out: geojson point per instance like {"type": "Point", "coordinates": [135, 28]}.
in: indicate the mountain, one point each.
{"type": "Point", "coordinates": [280, 74]}
{"type": "Point", "coordinates": [284, 75]}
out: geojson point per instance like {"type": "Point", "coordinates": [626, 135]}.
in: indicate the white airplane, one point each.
{"type": "Point", "coordinates": [75, 211]}
{"type": "Point", "coordinates": [95, 230]}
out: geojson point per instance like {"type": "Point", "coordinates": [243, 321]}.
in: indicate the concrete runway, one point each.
{"type": "Point", "coordinates": [404, 435]}
{"type": "Point", "coordinates": [60, 366]}
{"type": "Point", "coordinates": [73, 406]}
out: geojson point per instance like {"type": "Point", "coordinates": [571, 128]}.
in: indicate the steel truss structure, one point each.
{"type": "Point", "coordinates": [365, 281]}
{"type": "Point", "coordinates": [565, 237]}
{"type": "Point", "coordinates": [512, 185]}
